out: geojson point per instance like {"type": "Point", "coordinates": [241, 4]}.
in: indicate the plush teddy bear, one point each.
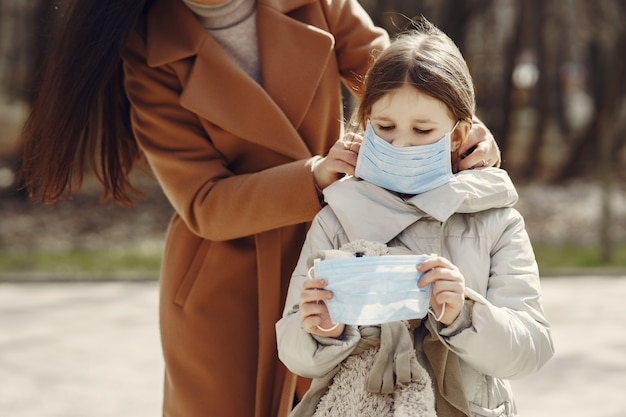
{"type": "Point", "coordinates": [358, 248]}
{"type": "Point", "coordinates": [385, 351]}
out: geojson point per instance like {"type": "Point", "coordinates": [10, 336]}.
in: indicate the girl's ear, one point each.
{"type": "Point", "coordinates": [458, 136]}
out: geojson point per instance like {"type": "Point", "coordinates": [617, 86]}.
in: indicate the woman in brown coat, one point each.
{"type": "Point", "coordinates": [233, 103]}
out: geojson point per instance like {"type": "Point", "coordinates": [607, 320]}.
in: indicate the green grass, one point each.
{"type": "Point", "coordinates": [111, 263]}
{"type": "Point", "coordinates": [570, 258]}
{"type": "Point", "coordinates": [142, 262]}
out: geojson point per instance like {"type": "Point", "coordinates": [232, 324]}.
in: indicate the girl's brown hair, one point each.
{"type": "Point", "coordinates": [80, 115]}
{"type": "Point", "coordinates": [428, 59]}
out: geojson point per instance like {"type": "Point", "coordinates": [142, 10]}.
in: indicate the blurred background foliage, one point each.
{"type": "Point", "coordinates": [549, 76]}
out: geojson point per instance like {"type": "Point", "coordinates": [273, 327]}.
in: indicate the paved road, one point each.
{"type": "Point", "coordinates": [92, 350]}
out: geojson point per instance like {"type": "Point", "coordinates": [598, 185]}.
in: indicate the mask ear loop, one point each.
{"type": "Point", "coordinates": [310, 276]}
{"type": "Point", "coordinates": [443, 311]}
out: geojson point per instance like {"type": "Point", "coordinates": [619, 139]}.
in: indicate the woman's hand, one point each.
{"type": "Point", "coordinates": [340, 161]}
{"type": "Point", "coordinates": [314, 316]}
{"type": "Point", "coordinates": [480, 149]}
{"type": "Point", "coordinates": [448, 287]}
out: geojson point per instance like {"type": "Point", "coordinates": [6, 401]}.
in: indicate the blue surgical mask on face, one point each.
{"type": "Point", "coordinates": [407, 170]}
{"type": "Point", "coordinates": [374, 289]}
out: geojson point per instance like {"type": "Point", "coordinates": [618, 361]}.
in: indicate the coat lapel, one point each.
{"type": "Point", "coordinates": [294, 57]}
{"type": "Point", "coordinates": [222, 93]}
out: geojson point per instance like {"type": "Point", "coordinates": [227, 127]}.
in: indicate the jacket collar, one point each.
{"type": "Point", "coordinates": [273, 111]}
{"type": "Point", "coordinates": [369, 212]}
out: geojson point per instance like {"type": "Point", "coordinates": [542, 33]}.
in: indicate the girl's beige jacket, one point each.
{"type": "Point", "coordinates": [502, 332]}
{"type": "Point", "coordinates": [233, 157]}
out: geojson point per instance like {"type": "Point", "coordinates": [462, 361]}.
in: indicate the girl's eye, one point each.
{"type": "Point", "coordinates": [422, 131]}
{"type": "Point", "coordinates": [385, 128]}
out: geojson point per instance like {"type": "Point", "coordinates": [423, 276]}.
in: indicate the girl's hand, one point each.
{"type": "Point", "coordinates": [340, 161]}
{"type": "Point", "coordinates": [314, 315]}
{"type": "Point", "coordinates": [448, 287]}
{"type": "Point", "coordinates": [480, 149]}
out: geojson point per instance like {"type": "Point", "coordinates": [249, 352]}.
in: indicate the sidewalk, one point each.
{"type": "Point", "coordinates": [79, 350]}
{"type": "Point", "coordinates": [587, 375]}
{"type": "Point", "coordinates": [92, 350]}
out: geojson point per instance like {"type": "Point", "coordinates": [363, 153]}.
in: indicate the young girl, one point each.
{"type": "Point", "coordinates": [485, 323]}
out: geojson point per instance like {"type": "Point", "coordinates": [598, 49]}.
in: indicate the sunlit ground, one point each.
{"type": "Point", "coordinates": [81, 349]}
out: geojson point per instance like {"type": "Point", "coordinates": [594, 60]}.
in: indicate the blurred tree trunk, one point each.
{"type": "Point", "coordinates": [541, 93]}
{"type": "Point", "coordinates": [455, 16]}
{"type": "Point", "coordinates": [612, 95]}
{"type": "Point", "coordinates": [19, 35]}
{"type": "Point", "coordinates": [23, 29]}
{"type": "Point", "coordinates": [606, 67]}
{"type": "Point", "coordinates": [583, 155]}
{"type": "Point", "coordinates": [27, 35]}
{"type": "Point", "coordinates": [502, 127]}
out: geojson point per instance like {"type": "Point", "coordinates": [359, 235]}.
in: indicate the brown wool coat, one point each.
{"type": "Point", "coordinates": [231, 156]}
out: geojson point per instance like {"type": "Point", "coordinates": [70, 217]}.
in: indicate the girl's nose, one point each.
{"type": "Point", "coordinates": [401, 142]}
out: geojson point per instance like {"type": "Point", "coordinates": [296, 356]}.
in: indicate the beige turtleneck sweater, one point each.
{"type": "Point", "coordinates": [233, 25]}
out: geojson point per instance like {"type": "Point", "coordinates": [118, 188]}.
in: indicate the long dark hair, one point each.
{"type": "Point", "coordinates": [80, 115]}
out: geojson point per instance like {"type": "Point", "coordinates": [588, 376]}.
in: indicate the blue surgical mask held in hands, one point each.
{"type": "Point", "coordinates": [374, 289]}
{"type": "Point", "coordinates": [407, 170]}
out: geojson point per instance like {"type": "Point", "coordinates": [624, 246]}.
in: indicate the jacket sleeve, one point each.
{"type": "Point", "coordinates": [356, 36]}
{"type": "Point", "coordinates": [214, 202]}
{"type": "Point", "coordinates": [509, 336]}
{"type": "Point", "coordinates": [304, 354]}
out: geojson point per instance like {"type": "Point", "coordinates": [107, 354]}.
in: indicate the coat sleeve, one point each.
{"type": "Point", "coordinates": [214, 202]}
{"type": "Point", "coordinates": [509, 336]}
{"type": "Point", "coordinates": [356, 36]}
{"type": "Point", "coordinates": [304, 354]}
